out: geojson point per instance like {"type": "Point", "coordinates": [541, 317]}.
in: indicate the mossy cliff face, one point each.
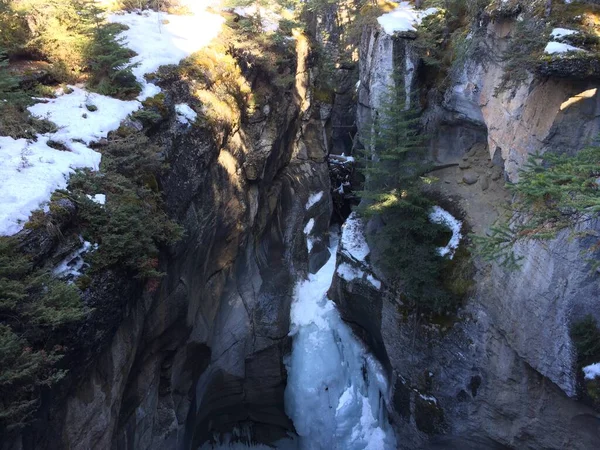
{"type": "Point", "coordinates": [201, 353]}
{"type": "Point", "coordinates": [502, 373]}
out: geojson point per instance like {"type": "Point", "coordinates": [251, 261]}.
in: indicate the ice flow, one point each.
{"type": "Point", "coordinates": [336, 392]}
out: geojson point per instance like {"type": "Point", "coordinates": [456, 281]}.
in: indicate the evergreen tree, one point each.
{"type": "Point", "coordinates": [554, 192]}
{"type": "Point", "coordinates": [393, 190]}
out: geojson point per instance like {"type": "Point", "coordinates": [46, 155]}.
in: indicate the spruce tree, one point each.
{"type": "Point", "coordinates": [555, 192]}
{"type": "Point", "coordinates": [393, 190]}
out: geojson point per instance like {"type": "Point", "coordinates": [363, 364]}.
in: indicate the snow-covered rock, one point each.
{"type": "Point", "coordinates": [553, 48]}
{"type": "Point", "coordinates": [353, 238]}
{"type": "Point", "coordinates": [404, 18]}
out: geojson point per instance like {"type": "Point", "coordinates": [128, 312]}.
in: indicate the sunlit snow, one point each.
{"type": "Point", "coordinates": [404, 18]}
{"type": "Point", "coordinates": [558, 33]}
{"type": "Point", "coordinates": [553, 48]}
{"type": "Point", "coordinates": [269, 19]}
{"type": "Point", "coordinates": [160, 39]}
{"type": "Point", "coordinates": [31, 170]}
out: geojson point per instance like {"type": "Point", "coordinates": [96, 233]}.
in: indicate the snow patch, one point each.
{"type": "Point", "coordinates": [349, 273]}
{"type": "Point", "coordinates": [313, 200]}
{"type": "Point", "coordinates": [404, 18]}
{"type": "Point", "coordinates": [71, 267]}
{"type": "Point", "coordinates": [98, 198]}
{"type": "Point", "coordinates": [559, 33]}
{"type": "Point", "coordinates": [309, 226]}
{"type": "Point", "coordinates": [429, 398]}
{"type": "Point", "coordinates": [341, 159]}
{"type": "Point", "coordinates": [441, 216]}
{"type": "Point", "coordinates": [269, 19]}
{"type": "Point", "coordinates": [353, 238]}
{"type": "Point", "coordinates": [307, 230]}
{"type": "Point", "coordinates": [185, 114]}
{"type": "Point", "coordinates": [76, 123]}
{"type": "Point", "coordinates": [31, 170]}
{"type": "Point", "coordinates": [160, 39]}
{"type": "Point", "coordinates": [592, 371]}
{"type": "Point", "coordinates": [374, 281]}
{"type": "Point", "coordinates": [553, 48]}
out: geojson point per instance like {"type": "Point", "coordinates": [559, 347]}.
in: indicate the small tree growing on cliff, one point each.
{"type": "Point", "coordinates": [393, 171]}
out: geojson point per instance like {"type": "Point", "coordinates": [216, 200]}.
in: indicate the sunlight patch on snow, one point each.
{"type": "Point", "coordinates": [404, 18]}
{"type": "Point", "coordinates": [441, 216]}
{"type": "Point", "coordinates": [31, 170]}
{"type": "Point", "coordinates": [269, 19]}
{"type": "Point", "coordinates": [160, 39]}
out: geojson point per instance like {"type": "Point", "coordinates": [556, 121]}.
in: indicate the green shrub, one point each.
{"type": "Point", "coordinates": [525, 47]}
{"type": "Point", "coordinates": [34, 308]}
{"type": "Point", "coordinates": [74, 37]}
{"type": "Point", "coordinates": [132, 225]}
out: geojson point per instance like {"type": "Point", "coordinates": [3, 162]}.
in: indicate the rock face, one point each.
{"type": "Point", "coordinates": [203, 354]}
{"type": "Point", "coordinates": [501, 374]}
{"type": "Point", "coordinates": [542, 114]}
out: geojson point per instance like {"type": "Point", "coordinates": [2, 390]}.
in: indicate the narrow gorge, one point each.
{"type": "Point", "coordinates": [300, 225]}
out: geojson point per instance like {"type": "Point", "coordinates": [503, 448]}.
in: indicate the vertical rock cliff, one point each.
{"type": "Point", "coordinates": [502, 373]}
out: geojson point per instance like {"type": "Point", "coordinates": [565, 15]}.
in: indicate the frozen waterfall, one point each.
{"type": "Point", "coordinates": [336, 390]}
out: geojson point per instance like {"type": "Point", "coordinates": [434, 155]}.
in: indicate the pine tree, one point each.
{"type": "Point", "coordinates": [106, 57]}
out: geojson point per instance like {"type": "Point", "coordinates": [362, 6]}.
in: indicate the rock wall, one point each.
{"type": "Point", "coordinates": [541, 114]}
{"type": "Point", "coordinates": [502, 373]}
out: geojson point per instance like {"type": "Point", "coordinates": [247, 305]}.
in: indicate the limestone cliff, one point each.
{"type": "Point", "coordinates": [502, 375]}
